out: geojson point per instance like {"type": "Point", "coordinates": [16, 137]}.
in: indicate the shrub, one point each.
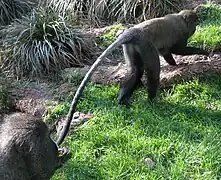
{"type": "Point", "coordinates": [210, 13]}
{"type": "Point", "coordinates": [44, 43]}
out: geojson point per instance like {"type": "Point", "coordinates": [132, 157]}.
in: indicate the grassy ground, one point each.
{"type": "Point", "coordinates": [180, 133]}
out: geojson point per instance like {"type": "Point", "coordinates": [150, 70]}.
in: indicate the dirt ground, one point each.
{"type": "Point", "coordinates": [33, 98]}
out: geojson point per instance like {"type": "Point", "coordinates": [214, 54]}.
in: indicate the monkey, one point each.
{"type": "Point", "coordinates": [26, 149]}
{"type": "Point", "coordinates": [134, 44]}
{"type": "Point", "coordinates": [161, 36]}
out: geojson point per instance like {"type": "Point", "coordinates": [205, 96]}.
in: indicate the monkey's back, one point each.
{"type": "Point", "coordinates": [164, 31]}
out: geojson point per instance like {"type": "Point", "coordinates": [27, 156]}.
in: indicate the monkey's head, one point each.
{"type": "Point", "coordinates": [191, 19]}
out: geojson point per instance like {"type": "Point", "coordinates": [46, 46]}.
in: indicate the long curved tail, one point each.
{"type": "Point", "coordinates": [126, 37]}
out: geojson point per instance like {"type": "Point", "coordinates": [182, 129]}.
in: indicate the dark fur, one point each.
{"type": "Point", "coordinates": [167, 34]}
{"type": "Point", "coordinates": [26, 150]}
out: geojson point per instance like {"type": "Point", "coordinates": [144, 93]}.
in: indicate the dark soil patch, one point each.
{"type": "Point", "coordinates": [31, 98]}
{"type": "Point", "coordinates": [187, 68]}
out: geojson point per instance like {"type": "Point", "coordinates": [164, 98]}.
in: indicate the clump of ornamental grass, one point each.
{"type": "Point", "coordinates": [43, 43]}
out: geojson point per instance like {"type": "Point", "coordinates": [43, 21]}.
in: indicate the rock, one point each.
{"type": "Point", "coordinates": [149, 162]}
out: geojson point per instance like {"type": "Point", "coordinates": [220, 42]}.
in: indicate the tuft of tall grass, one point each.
{"type": "Point", "coordinates": [117, 10]}
{"type": "Point", "coordinates": [43, 43]}
{"type": "Point", "coordinates": [12, 9]}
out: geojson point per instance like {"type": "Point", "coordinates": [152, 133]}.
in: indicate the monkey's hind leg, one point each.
{"type": "Point", "coordinates": [152, 70]}
{"type": "Point", "coordinates": [128, 86]}
{"type": "Point", "coordinates": [133, 78]}
{"type": "Point", "coordinates": [153, 84]}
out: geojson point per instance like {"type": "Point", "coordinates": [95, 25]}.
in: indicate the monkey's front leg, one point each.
{"type": "Point", "coordinates": [189, 51]}
{"type": "Point", "coordinates": [169, 59]}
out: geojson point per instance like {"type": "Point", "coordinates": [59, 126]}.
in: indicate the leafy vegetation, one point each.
{"type": "Point", "coordinates": [210, 13]}
{"type": "Point", "coordinates": [73, 76]}
{"type": "Point", "coordinates": [180, 133]}
{"type": "Point", "coordinates": [44, 43]}
{"type": "Point", "coordinates": [54, 111]}
{"type": "Point", "coordinates": [208, 35]}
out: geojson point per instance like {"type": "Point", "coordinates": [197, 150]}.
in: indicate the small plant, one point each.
{"type": "Point", "coordinates": [54, 112]}
{"type": "Point", "coordinates": [74, 76]}
{"type": "Point", "coordinates": [44, 43]}
{"type": "Point", "coordinates": [111, 35]}
{"type": "Point", "coordinates": [210, 13]}
{"type": "Point", "coordinates": [11, 9]}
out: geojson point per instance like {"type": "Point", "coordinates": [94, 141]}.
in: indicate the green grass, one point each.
{"type": "Point", "coordinates": [208, 37]}
{"type": "Point", "coordinates": [180, 132]}
{"type": "Point", "coordinates": [208, 34]}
